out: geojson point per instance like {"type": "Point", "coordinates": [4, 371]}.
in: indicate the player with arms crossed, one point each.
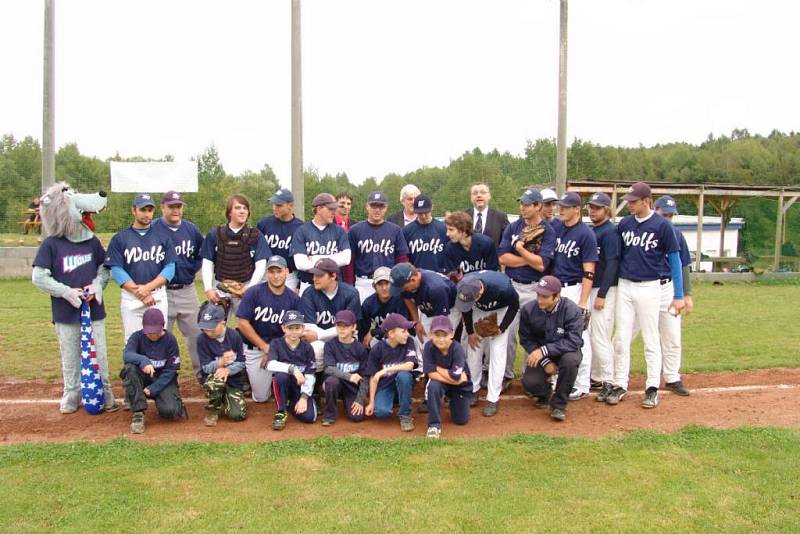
{"type": "Point", "coordinates": [278, 230]}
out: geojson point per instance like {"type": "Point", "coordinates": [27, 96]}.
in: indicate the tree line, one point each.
{"type": "Point", "coordinates": [739, 158]}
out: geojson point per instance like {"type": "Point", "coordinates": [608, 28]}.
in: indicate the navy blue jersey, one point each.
{"type": "Point", "coordinates": [482, 255]}
{"type": "Point", "coordinates": [383, 355]}
{"type": "Point", "coordinates": [310, 240]}
{"type": "Point", "coordinates": [454, 361]}
{"type": "Point", "coordinates": [74, 265]}
{"type": "Point", "coordinates": [373, 312]}
{"type": "Point", "coordinates": [279, 236]}
{"type": "Point", "coordinates": [498, 292]}
{"type": "Point", "coordinates": [302, 356]}
{"type": "Point", "coordinates": [575, 246]}
{"type": "Point", "coordinates": [164, 353]}
{"type": "Point", "coordinates": [645, 246]}
{"type": "Point", "coordinates": [609, 247]}
{"type": "Point", "coordinates": [557, 224]}
{"type": "Point", "coordinates": [321, 310]}
{"type": "Point", "coordinates": [142, 256]}
{"type": "Point", "coordinates": [350, 358]}
{"type": "Point", "coordinates": [209, 349]}
{"type": "Point", "coordinates": [426, 244]}
{"type": "Point", "coordinates": [188, 242]}
{"type": "Point", "coordinates": [374, 246]}
{"type": "Point", "coordinates": [259, 250]}
{"type": "Point", "coordinates": [264, 310]}
{"type": "Point", "coordinates": [526, 273]}
{"type": "Point", "coordinates": [436, 294]}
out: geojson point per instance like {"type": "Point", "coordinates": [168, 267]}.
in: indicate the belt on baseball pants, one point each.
{"type": "Point", "coordinates": [529, 282]}
{"type": "Point", "coordinates": [364, 277]}
{"type": "Point", "coordinates": [249, 346]}
{"type": "Point", "coordinates": [176, 286]}
{"type": "Point", "coordinates": [568, 284]}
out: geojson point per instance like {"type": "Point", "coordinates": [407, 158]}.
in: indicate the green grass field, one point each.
{"type": "Point", "coordinates": [742, 480]}
{"type": "Point", "coordinates": [733, 327]}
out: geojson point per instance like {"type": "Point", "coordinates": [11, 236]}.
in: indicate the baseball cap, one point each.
{"type": "Point", "coordinates": [377, 197]}
{"type": "Point", "coordinates": [346, 316]}
{"type": "Point", "coordinates": [469, 289]}
{"type": "Point", "coordinates": [381, 273]}
{"type": "Point", "coordinates": [395, 320]}
{"type": "Point", "coordinates": [143, 199]}
{"type": "Point", "coordinates": [570, 200]}
{"type": "Point", "coordinates": [282, 196]}
{"type": "Point", "coordinates": [325, 199]}
{"type": "Point", "coordinates": [530, 196]}
{"type": "Point", "coordinates": [211, 316]}
{"type": "Point", "coordinates": [172, 197]}
{"type": "Point", "coordinates": [324, 266]}
{"type": "Point", "coordinates": [667, 204]}
{"type": "Point", "coordinates": [401, 274]}
{"type": "Point", "coordinates": [548, 195]}
{"type": "Point", "coordinates": [152, 321]}
{"type": "Point", "coordinates": [600, 199]}
{"type": "Point", "coordinates": [276, 261]}
{"type": "Point", "coordinates": [548, 285]}
{"type": "Point", "coordinates": [423, 204]}
{"type": "Point", "coordinates": [637, 191]}
{"type": "Point", "coordinates": [293, 317]}
{"type": "Point", "coordinates": [441, 323]}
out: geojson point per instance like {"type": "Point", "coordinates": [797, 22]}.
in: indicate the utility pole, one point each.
{"type": "Point", "coordinates": [297, 112]}
{"type": "Point", "coordinates": [48, 98]}
{"type": "Point", "coordinates": [561, 149]}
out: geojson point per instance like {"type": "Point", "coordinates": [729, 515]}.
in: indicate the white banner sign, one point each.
{"type": "Point", "coordinates": [153, 176]}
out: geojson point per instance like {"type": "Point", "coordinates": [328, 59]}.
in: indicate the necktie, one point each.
{"type": "Point", "coordinates": [479, 224]}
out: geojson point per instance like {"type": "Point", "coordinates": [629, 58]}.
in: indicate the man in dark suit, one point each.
{"type": "Point", "coordinates": [485, 220]}
{"type": "Point", "coordinates": [405, 216]}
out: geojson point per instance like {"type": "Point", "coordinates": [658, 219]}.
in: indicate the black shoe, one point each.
{"type": "Point", "coordinates": [490, 410]}
{"type": "Point", "coordinates": [677, 388]}
{"type": "Point", "coordinates": [558, 414]}
{"type": "Point", "coordinates": [423, 407]}
{"type": "Point", "coordinates": [605, 391]}
{"type": "Point", "coordinates": [279, 421]}
{"type": "Point", "coordinates": [596, 384]}
{"type": "Point", "coordinates": [616, 396]}
{"type": "Point", "coordinates": [650, 398]}
{"type": "Point", "coordinates": [542, 402]}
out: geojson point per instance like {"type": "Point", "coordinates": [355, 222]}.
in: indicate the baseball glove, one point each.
{"type": "Point", "coordinates": [487, 326]}
{"type": "Point", "coordinates": [232, 287]}
{"type": "Point", "coordinates": [531, 237]}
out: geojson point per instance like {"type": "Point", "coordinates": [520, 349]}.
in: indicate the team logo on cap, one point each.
{"type": "Point", "coordinates": [146, 197]}
{"type": "Point", "coordinates": [420, 203]}
{"type": "Point", "coordinates": [542, 282]}
{"type": "Point", "coordinates": [177, 195]}
{"type": "Point", "coordinates": [564, 196]}
{"type": "Point", "coordinates": [670, 202]}
{"type": "Point", "coordinates": [528, 192]}
{"type": "Point", "coordinates": [462, 296]}
{"type": "Point", "coordinates": [630, 189]}
{"type": "Point", "coordinates": [291, 316]}
{"type": "Point", "coordinates": [206, 316]}
{"type": "Point", "coordinates": [376, 196]}
{"type": "Point", "coordinates": [595, 196]}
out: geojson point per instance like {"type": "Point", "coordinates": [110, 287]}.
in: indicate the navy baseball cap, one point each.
{"type": "Point", "coordinates": [600, 199]}
{"type": "Point", "coordinates": [469, 290]}
{"type": "Point", "coordinates": [293, 317]}
{"type": "Point", "coordinates": [530, 196]}
{"type": "Point", "coordinates": [143, 199]}
{"type": "Point", "coordinates": [667, 204]}
{"type": "Point", "coordinates": [401, 274]}
{"type": "Point", "coordinates": [548, 285]}
{"type": "Point", "coordinates": [637, 191]}
{"type": "Point", "coordinates": [441, 323]}
{"type": "Point", "coordinates": [345, 316]}
{"type": "Point", "coordinates": [282, 196]}
{"type": "Point", "coordinates": [423, 204]}
{"type": "Point", "coordinates": [548, 195]}
{"type": "Point", "coordinates": [152, 321]}
{"type": "Point", "coordinates": [395, 320]}
{"type": "Point", "coordinates": [276, 261]}
{"type": "Point", "coordinates": [378, 197]}
{"type": "Point", "coordinates": [324, 266]}
{"type": "Point", "coordinates": [211, 316]}
{"type": "Point", "coordinates": [172, 197]}
{"type": "Point", "coordinates": [570, 200]}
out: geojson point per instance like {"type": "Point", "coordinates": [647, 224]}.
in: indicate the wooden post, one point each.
{"type": "Point", "coordinates": [701, 203]}
{"type": "Point", "coordinates": [298, 182]}
{"type": "Point", "coordinates": [614, 209]}
{"type": "Point", "coordinates": [778, 229]}
{"type": "Point", "coordinates": [561, 145]}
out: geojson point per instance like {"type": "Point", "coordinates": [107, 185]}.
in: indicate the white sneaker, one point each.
{"type": "Point", "coordinates": [433, 432]}
{"type": "Point", "coordinates": [576, 395]}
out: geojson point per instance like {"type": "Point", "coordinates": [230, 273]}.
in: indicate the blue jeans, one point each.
{"type": "Point", "coordinates": [384, 398]}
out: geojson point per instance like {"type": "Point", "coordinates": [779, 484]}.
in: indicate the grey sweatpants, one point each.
{"type": "Point", "coordinates": [182, 309]}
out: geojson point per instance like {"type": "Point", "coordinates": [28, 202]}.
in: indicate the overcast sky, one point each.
{"type": "Point", "coordinates": [393, 86]}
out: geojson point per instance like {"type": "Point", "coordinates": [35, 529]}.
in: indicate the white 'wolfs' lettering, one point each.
{"type": "Point", "coordinates": [70, 263]}
{"type": "Point", "coordinates": [568, 248]}
{"type": "Point", "coordinates": [385, 247]}
{"type": "Point", "coordinates": [268, 315]}
{"type": "Point", "coordinates": [275, 242]}
{"type": "Point", "coordinates": [314, 248]}
{"type": "Point", "coordinates": [647, 240]}
{"type": "Point", "coordinates": [136, 254]}
{"type": "Point", "coordinates": [419, 245]}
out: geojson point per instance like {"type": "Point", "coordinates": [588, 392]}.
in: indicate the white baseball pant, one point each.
{"type": "Point", "coordinates": [601, 334]}
{"type": "Point", "coordinates": [669, 330]}
{"type": "Point", "coordinates": [582, 382]}
{"type": "Point", "coordinates": [293, 281]}
{"type": "Point", "coordinates": [526, 295]}
{"type": "Point", "coordinates": [260, 379]}
{"type": "Point", "coordinates": [365, 288]}
{"type": "Point", "coordinates": [496, 348]}
{"type": "Point", "coordinates": [132, 309]}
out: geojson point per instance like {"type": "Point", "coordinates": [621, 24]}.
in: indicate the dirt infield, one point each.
{"type": "Point", "coordinates": [29, 413]}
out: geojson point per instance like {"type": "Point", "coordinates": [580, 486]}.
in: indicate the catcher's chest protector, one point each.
{"type": "Point", "coordinates": [233, 254]}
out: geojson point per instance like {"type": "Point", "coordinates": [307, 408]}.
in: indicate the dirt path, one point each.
{"type": "Point", "coordinates": [719, 400]}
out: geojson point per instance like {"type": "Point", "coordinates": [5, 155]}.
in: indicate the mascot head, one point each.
{"type": "Point", "coordinates": [68, 213]}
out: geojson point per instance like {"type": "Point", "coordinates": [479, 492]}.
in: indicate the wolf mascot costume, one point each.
{"type": "Point", "coordinates": [69, 268]}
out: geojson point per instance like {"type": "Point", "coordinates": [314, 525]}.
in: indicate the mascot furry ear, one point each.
{"type": "Point", "coordinates": [68, 213]}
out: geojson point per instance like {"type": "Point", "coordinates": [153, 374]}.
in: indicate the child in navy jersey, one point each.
{"type": "Point", "coordinates": [345, 364]}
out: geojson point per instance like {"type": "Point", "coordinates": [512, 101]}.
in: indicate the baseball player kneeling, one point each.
{"type": "Point", "coordinates": [389, 368]}
{"type": "Point", "coordinates": [292, 363]}
{"type": "Point", "coordinates": [444, 363]}
{"type": "Point", "coordinates": [550, 331]}
{"type": "Point", "coordinates": [345, 361]}
{"type": "Point", "coordinates": [221, 354]}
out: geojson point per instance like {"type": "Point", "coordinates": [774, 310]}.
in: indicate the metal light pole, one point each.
{"type": "Point", "coordinates": [48, 98]}
{"type": "Point", "coordinates": [297, 111]}
{"type": "Point", "coordinates": [561, 149]}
